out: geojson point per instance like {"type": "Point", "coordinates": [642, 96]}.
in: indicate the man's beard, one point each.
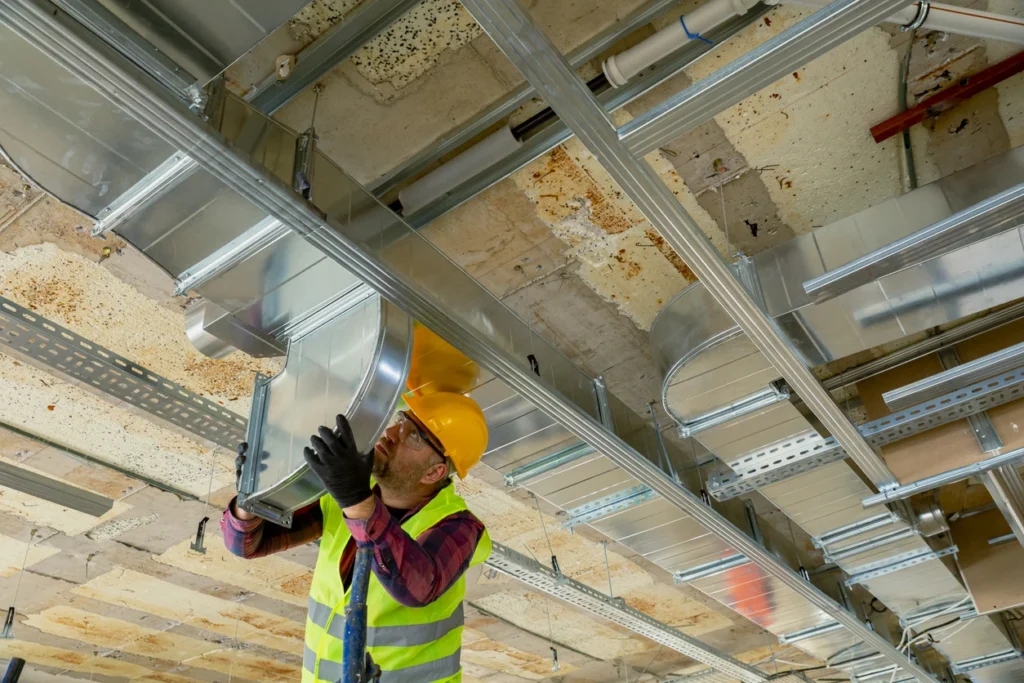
{"type": "Point", "coordinates": [393, 479]}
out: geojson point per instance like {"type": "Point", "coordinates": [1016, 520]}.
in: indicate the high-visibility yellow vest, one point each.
{"type": "Point", "coordinates": [410, 644]}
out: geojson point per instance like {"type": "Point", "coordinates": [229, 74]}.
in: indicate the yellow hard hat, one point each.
{"type": "Point", "coordinates": [436, 365]}
{"type": "Point", "coordinates": [457, 422]}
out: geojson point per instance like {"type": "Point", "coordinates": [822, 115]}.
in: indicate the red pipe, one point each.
{"type": "Point", "coordinates": [948, 98]}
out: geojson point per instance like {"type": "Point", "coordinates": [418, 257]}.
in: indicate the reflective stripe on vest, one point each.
{"type": "Point", "coordinates": [410, 644]}
{"type": "Point", "coordinates": [439, 669]}
{"type": "Point", "coordinates": [389, 636]}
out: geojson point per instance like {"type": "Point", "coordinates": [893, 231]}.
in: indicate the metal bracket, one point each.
{"type": "Point", "coordinates": [896, 563]}
{"type": "Point", "coordinates": [197, 545]}
{"type": "Point", "coordinates": [547, 464]}
{"type": "Point", "coordinates": [603, 409]}
{"type": "Point", "coordinates": [975, 663]}
{"type": "Point", "coordinates": [60, 349]}
{"type": "Point", "coordinates": [855, 529]}
{"type": "Point", "coordinates": [254, 438]}
{"type": "Point", "coordinates": [845, 553]}
{"type": "Point", "coordinates": [142, 194]}
{"type": "Point", "coordinates": [710, 569]}
{"type": "Point", "coordinates": [923, 7]}
{"type": "Point", "coordinates": [807, 633]}
{"type": "Point", "coordinates": [770, 395]}
{"type": "Point", "coordinates": [8, 631]}
{"type": "Point", "coordinates": [610, 504]}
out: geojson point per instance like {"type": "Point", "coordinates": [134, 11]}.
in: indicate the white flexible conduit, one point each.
{"type": "Point", "coordinates": [932, 16]}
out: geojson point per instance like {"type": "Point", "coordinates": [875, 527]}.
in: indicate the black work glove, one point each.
{"type": "Point", "coordinates": [335, 459]}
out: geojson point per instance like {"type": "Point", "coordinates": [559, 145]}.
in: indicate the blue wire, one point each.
{"type": "Point", "coordinates": [692, 36]}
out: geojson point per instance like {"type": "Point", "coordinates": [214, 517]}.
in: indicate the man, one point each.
{"type": "Point", "coordinates": [422, 534]}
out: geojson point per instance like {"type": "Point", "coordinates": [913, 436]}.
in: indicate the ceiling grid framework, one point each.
{"type": "Point", "coordinates": [555, 286]}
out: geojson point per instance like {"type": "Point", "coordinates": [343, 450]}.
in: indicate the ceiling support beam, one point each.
{"type": "Point", "coordinates": [557, 132]}
{"type": "Point", "coordinates": [172, 122]}
{"type": "Point", "coordinates": [330, 49]}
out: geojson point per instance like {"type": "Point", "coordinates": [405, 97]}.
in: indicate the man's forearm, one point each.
{"type": "Point", "coordinates": [254, 537]}
{"type": "Point", "coordinates": [415, 572]}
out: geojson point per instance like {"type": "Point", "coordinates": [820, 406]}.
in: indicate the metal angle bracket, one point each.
{"type": "Point", "coordinates": [58, 348]}
{"type": "Point", "coordinates": [608, 505]}
{"type": "Point", "coordinates": [856, 528]}
{"type": "Point", "coordinates": [770, 395]}
{"type": "Point", "coordinates": [142, 194]}
{"type": "Point", "coordinates": [846, 552]}
{"type": "Point", "coordinates": [710, 569]}
{"type": "Point", "coordinates": [808, 633]}
{"type": "Point", "coordinates": [974, 663]}
{"type": "Point", "coordinates": [547, 463]}
{"type": "Point", "coordinates": [896, 563]}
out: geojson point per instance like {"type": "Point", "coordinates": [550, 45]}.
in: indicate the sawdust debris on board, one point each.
{"type": "Point", "coordinates": [76, 293]}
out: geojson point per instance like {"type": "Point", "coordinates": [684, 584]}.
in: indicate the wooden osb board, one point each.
{"type": "Point", "coordinates": [951, 445]}
{"type": "Point", "coordinates": [992, 573]}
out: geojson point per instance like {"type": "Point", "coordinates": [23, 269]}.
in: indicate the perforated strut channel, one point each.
{"type": "Point", "coordinates": [896, 563]}
{"type": "Point", "coordinates": [784, 460]}
{"type": "Point", "coordinates": [609, 505]}
{"type": "Point", "coordinates": [60, 349]}
{"type": "Point", "coordinates": [534, 574]}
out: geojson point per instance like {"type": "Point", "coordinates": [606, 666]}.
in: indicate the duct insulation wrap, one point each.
{"type": "Point", "coordinates": [474, 160]}
{"type": "Point", "coordinates": [356, 364]}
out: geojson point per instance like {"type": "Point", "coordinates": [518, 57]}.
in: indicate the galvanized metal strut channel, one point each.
{"type": "Point", "coordinates": [171, 122]}
{"type": "Point", "coordinates": [547, 580]}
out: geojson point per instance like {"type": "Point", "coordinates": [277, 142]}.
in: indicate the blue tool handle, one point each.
{"type": "Point", "coordinates": [353, 663]}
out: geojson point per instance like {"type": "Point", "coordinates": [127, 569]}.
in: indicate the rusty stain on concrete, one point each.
{"type": "Point", "coordinates": [105, 632]}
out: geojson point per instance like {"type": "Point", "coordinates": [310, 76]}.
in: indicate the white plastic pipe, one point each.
{"type": "Point", "coordinates": [969, 22]}
{"type": "Point", "coordinates": [950, 19]}
{"type": "Point", "coordinates": [623, 66]}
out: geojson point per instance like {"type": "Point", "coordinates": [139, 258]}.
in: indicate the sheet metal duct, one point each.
{"type": "Point", "coordinates": [190, 32]}
{"type": "Point", "coordinates": [711, 368]}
